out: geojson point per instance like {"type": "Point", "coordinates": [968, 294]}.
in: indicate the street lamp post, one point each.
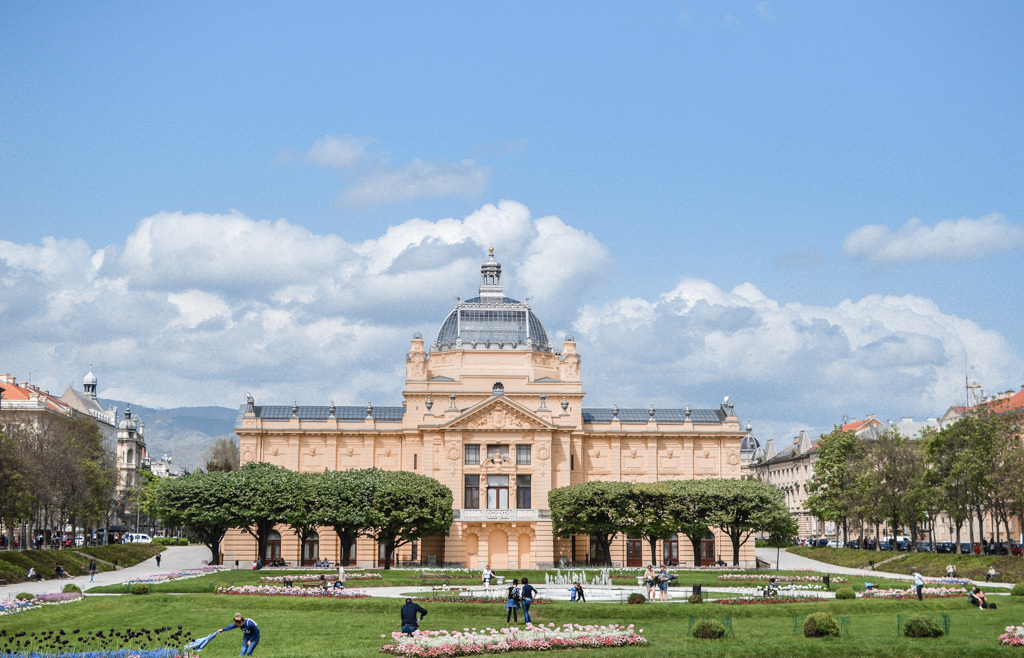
{"type": "Point", "coordinates": [138, 507]}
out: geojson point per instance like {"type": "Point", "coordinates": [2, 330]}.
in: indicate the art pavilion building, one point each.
{"type": "Point", "coordinates": [495, 412]}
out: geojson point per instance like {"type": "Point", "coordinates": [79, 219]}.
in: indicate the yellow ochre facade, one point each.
{"type": "Point", "coordinates": [494, 412]}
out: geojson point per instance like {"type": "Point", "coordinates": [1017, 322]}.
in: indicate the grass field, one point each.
{"type": "Point", "coordinates": [317, 627]}
{"type": "Point", "coordinates": [410, 578]}
{"type": "Point", "coordinates": [1010, 568]}
{"type": "Point", "coordinates": [14, 565]}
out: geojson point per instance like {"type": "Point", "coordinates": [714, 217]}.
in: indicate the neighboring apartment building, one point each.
{"type": "Point", "coordinates": [791, 468]}
{"type": "Point", "coordinates": [495, 412]}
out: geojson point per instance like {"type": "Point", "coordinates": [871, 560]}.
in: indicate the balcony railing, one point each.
{"type": "Point", "coordinates": [502, 514]}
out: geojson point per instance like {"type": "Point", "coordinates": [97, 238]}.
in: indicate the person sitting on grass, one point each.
{"type": "Point", "coordinates": [977, 597]}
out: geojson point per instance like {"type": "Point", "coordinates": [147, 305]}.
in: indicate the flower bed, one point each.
{"type": "Point", "coordinates": [470, 642]}
{"type": "Point", "coordinates": [780, 579]}
{"type": "Point", "coordinates": [1014, 636]}
{"type": "Point", "coordinates": [13, 605]}
{"type": "Point", "coordinates": [129, 643]}
{"type": "Point", "coordinates": [274, 590]}
{"type": "Point", "coordinates": [948, 581]}
{"type": "Point", "coordinates": [766, 600]}
{"type": "Point", "coordinates": [927, 592]}
{"type": "Point", "coordinates": [177, 575]}
{"type": "Point", "coordinates": [315, 578]}
{"type": "Point", "coordinates": [455, 598]}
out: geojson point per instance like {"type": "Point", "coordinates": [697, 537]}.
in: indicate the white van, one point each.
{"type": "Point", "coordinates": [137, 538]}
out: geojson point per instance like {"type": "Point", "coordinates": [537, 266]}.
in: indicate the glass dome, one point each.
{"type": "Point", "coordinates": [492, 321]}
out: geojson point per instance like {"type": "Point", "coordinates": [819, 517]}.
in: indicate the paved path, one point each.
{"type": "Point", "coordinates": [790, 561]}
{"type": "Point", "coordinates": [175, 558]}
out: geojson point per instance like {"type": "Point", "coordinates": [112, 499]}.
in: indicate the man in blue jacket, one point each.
{"type": "Point", "coordinates": [409, 613]}
{"type": "Point", "coordinates": [250, 633]}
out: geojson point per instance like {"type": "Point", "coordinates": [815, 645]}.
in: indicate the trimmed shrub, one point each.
{"type": "Point", "coordinates": [25, 596]}
{"type": "Point", "coordinates": [708, 629]}
{"type": "Point", "coordinates": [182, 541]}
{"type": "Point", "coordinates": [139, 588]}
{"type": "Point", "coordinates": [845, 593]}
{"type": "Point", "coordinates": [71, 587]}
{"type": "Point", "coordinates": [918, 626]}
{"type": "Point", "coordinates": [636, 598]}
{"type": "Point", "coordinates": [1018, 590]}
{"type": "Point", "coordinates": [696, 598]}
{"type": "Point", "coordinates": [821, 624]}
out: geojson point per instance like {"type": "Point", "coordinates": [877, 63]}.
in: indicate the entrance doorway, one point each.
{"type": "Point", "coordinates": [311, 549]}
{"type": "Point", "coordinates": [273, 549]}
{"type": "Point", "coordinates": [670, 551]}
{"type": "Point", "coordinates": [634, 552]}
{"type": "Point", "coordinates": [707, 551]}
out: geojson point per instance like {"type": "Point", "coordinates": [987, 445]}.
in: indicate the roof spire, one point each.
{"type": "Point", "coordinates": [491, 290]}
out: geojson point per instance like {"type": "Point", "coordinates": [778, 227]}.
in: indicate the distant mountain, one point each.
{"type": "Point", "coordinates": [182, 433]}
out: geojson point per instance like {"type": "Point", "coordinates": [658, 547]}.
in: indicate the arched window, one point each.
{"type": "Point", "coordinates": [670, 551]}
{"type": "Point", "coordinates": [273, 550]}
{"type": "Point", "coordinates": [311, 549]}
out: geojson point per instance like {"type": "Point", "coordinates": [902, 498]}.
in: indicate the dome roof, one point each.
{"type": "Point", "coordinates": [749, 443]}
{"type": "Point", "coordinates": [492, 321]}
{"type": "Point", "coordinates": [90, 379]}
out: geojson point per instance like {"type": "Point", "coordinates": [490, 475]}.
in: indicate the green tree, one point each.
{"type": "Point", "coordinates": [223, 455]}
{"type": "Point", "coordinates": [596, 509]}
{"type": "Point", "coordinates": [15, 496]}
{"type": "Point", "coordinates": [833, 489]}
{"type": "Point", "coordinates": [202, 502]}
{"type": "Point", "coordinates": [742, 507]}
{"type": "Point", "coordinates": [307, 512]}
{"type": "Point", "coordinates": [343, 496]}
{"type": "Point", "coordinates": [404, 506]}
{"type": "Point", "coordinates": [647, 516]}
{"type": "Point", "coordinates": [266, 494]}
{"type": "Point", "coordinates": [689, 508]}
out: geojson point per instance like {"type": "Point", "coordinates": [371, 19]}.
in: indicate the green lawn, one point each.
{"type": "Point", "coordinates": [294, 627]}
{"type": "Point", "coordinates": [1009, 567]}
{"type": "Point", "coordinates": [14, 565]}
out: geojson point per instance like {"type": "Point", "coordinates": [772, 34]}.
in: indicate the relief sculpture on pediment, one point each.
{"type": "Point", "coordinates": [705, 459]}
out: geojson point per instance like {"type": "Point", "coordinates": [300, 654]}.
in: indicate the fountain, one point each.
{"type": "Point", "coordinates": [600, 586]}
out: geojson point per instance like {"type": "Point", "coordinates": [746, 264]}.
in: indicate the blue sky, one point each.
{"type": "Point", "coordinates": [815, 208]}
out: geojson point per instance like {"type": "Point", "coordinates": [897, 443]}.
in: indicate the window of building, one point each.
{"type": "Point", "coordinates": [572, 462]}
{"type": "Point", "coordinates": [472, 496]}
{"type": "Point", "coordinates": [415, 461]}
{"type": "Point", "coordinates": [472, 453]}
{"type": "Point", "coordinates": [499, 450]}
{"type": "Point", "coordinates": [523, 455]}
{"type": "Point", "coordinates": [497, 492]}
{"type": "Point", "coordinates": [523, 491]}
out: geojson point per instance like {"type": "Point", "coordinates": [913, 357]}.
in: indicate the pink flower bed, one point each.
{"type": "Point", "coordinates": [178, 575]}
{"type": "Point", "coordinates": [314, 578]}
{"type": "Point", "coordinates": [469, 642]}
{"type": "Point", "coordinates": [273, 590]}
{"type": "Point", "coordinates": [927, 592]}
{"type": "Point", "coordinates": [1013, 637]}
{"type": "Point", "coordinates": [780, 579]}
{"type": "Point", "coordinates": [767, 600]}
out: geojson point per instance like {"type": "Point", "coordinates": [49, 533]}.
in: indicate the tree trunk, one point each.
{"type": "Point", "coordinates": [878, 537]}
{"type": "Point", "coordinates": [735, 548]}
{"type": "Point", "coordinates": [606, 545]}
{"type": "Point", "coordinates": [695, 543]}
{"type": "Point", "coordinates": [654, 552]}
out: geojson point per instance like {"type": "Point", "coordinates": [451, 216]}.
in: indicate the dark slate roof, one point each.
{"type": "Point", "coordinates": [354, 414]}
{"type": "Point", "coordinates": [640, 416]}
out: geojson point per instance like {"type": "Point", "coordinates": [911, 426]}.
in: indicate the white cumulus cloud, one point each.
{"type": "Point", "coordinates": [949, 240]}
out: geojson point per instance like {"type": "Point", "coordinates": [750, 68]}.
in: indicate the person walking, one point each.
{"type": "Point", "coordinates": [663, 579]}
{"type": "Point", "coordinates": [409, 616]}
{"type": "Point", "coordinates": [579, 593]}
{"type": "Point", "coordinates": [487, 575]}
{"type": "Point", "coordinates": [92, 571]}
{"type": "Point", "coordinates": [919, 585]}
{"type": "Point", "coordinates": [157, 560]}
{"type": "Point", "coordinates": [650, 579]}
{"type": "Point", "coordinates": [512, 604]}
{"type": "Point", "coordinates": [250, 633]}
{"type": "Point", "coordinates": [529, 591]}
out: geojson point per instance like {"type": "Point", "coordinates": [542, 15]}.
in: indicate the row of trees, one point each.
{"type": "Point", "coordinates": [658, 510]}
{"type": "Point", "coordinates": [392, 507]}
{"type": "Point", "coordinates": [54, 470]}
{"type": "Point", "coordinates": [969, 470]}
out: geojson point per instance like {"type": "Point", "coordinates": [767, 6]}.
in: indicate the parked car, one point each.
{"type": "Point", "coordinates": [835, 543]}
{"type": "Point", "coordinates": [821, 542]}
{"type": "Point", "coordinates": [925, 547]}
{"type": "Point", "coordinates": [1016, 549]}
{"type": "Point", "coordinates": [944, 547]}
{"type": "Point", "coordinates": [137, 538]}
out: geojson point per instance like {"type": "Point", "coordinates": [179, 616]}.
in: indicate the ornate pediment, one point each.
{"type": "Point", "coordinates": [498, 413]}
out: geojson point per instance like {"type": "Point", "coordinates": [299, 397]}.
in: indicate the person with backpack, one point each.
{"type": "Point", "coordinates": [529, 591]}
{"type": "Point", "coordinates": [512, 604]}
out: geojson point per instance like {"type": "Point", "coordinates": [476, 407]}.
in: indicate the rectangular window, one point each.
{"type": "Point", "coordinates": [572, 462]}
{"type": "Point", "coordinates": [493, 451]}
{"type": "Point", "coordinates": [415, 460]}
{"type": "Point", "coordinates": [472, 454]}
{"type": "Point", "coordinates": [523, 455]}
{"type": "Point", "coordinates": [523, 491]}
{"type": "Point", "coordinates": [472, 497]}
{"type": "Point", "coordinates": [497, 492]}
